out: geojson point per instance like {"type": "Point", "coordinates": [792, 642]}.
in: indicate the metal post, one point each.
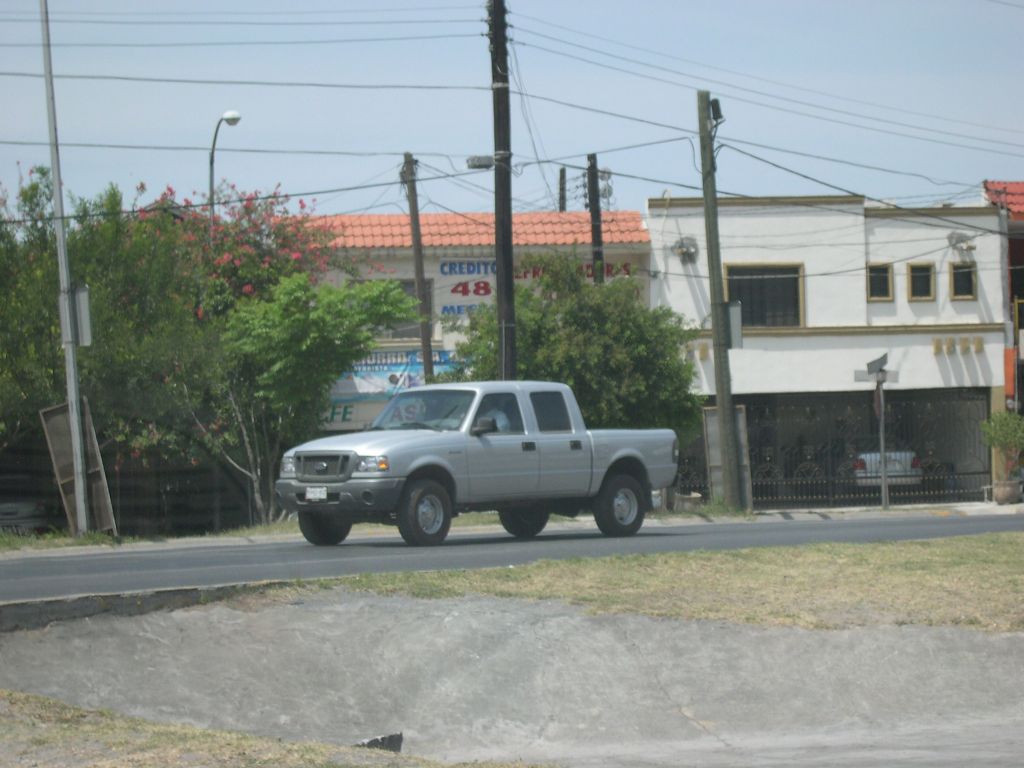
{"type": "Point", "coordinates": [67, 329]}
{"type": "Point", "coordinates": [231, 118]}
{"type": "Point", "coordinates": [881, 439]}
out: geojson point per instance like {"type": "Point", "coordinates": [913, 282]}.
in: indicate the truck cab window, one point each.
{"type": "Point", "coordinates": [504, 409]}
{"type": "Point", "coordinates": [552, 413]}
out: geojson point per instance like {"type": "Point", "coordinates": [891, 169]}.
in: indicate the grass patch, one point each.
{"type": "Point", "coordinates": [57, 539]}
{"type": "Point", "coordinates": [971, 581]}
{"type": "Point", "coordinates": [35, 730]}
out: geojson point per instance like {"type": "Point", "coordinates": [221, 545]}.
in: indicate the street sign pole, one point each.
{"type": "Point", "coordinates": [876, 372]}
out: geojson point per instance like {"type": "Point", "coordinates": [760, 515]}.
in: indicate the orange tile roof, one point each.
{"type": "Point", "coordinates": [1007, 194]}
{"type": "Point", "coordinates": [444, 230]}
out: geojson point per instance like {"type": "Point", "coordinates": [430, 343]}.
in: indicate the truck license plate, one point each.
{"type": "Point", "coordinates": [316, 493]}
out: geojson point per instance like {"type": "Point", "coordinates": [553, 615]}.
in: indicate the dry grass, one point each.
{"type": "Point", "coordinates": [37, 731]}
{"type": "Point", "coordinates": [973, 581]}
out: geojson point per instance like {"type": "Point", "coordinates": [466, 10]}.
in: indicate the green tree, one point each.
{"type": "Point", "coordinates": [221, 340]}
{"type": "Point", "coordinates": [267, 386]}
{"type": "Point", "coordinates": [625, 362]}
{"type": "Point", "coordinates": [31, 363]}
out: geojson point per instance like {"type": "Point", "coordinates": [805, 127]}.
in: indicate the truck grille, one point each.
{"type": "Point", "coordinates": [323, 467]}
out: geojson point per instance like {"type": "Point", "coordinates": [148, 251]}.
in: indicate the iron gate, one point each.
{"type": "Point", "coordinates": [806, 449]}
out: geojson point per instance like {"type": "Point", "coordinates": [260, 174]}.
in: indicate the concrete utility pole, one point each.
{"type": "Point", "coordinates": [594, 202]}
{"type": "Point", "coordinates": [498, 28]}
{"type": "Point", "coordinates": [67, 324]}
{"type": "Point", "coordinates": [409, 180]}
{"type": "Point", "coordinates": [708, 117]}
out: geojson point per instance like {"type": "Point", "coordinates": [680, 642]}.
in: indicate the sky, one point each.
{"type": "Point", "coordinates": [909, 101]}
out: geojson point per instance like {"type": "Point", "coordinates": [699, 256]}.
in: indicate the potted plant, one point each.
{"type": "Point", "coordinates": [1004, 433]}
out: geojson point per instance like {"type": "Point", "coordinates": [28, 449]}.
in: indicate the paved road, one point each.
{"type": "Point", "coordinates": [213, 562]}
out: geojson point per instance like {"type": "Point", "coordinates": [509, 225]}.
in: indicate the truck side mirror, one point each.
{"type": "Point", "coordinates": [483, 426]}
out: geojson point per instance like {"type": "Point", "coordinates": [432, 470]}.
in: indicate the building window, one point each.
{"type": "Point", "coordinates": [770, 296]}
{"type": "Point", "coordinates": [880, 282]}
{"type": "Point", "coordinates": [963, 282]}
{"type": "Point", "coordinates": [412, 330]}
{"type": "Point", "coordinates": [921, 279]}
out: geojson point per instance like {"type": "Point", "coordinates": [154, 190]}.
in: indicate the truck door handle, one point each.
{"type": "Point", "coordinates": [529, 446]}
{"type": "Point", "coordinates": [575, 445]}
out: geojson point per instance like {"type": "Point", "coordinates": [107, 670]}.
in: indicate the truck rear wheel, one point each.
{"type": "Point", "coordinates": [620, 506]}
{"type": "Point", "coordinates": [323, 529]}
{"type": "Point", "coordinates": [523, 522]}
{"type": "Point", "coordinates": [424, 513]}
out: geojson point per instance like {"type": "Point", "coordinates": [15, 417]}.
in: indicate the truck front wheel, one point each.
{"type": "Point", "coordinates": [620, 507]}
{"type": "Point", "coordinates": [424, 513]}
{"type": "Point", "coordinates": [523, 522]}
{"type": "Point", "coordinates": [324, 530]}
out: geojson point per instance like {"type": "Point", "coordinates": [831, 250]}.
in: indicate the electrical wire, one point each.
{"type": "Point", "coordinates": [250, 43]}
{"type": "Point", "coordinates": [835, 121]}
{"type": "Point", "coordinates": [876, 105]}
{"type": "Point", "coordinates": [279, 196]}
{"type": "Point", "coordinates": [528, 120]}
{"type": "Point", "coordinates": [260, 83]}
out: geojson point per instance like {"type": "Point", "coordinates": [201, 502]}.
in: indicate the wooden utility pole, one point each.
{"type": "Point", "coordinates": [409, 180]}
{"type": "Point", "coordinates": [561, 189]}
{"type": "Point", "coordinates": [708, 117]}
{"type": "Point", "coordinates": [498, 31]}
{"type": "Point", "coordinates": [594, 202]}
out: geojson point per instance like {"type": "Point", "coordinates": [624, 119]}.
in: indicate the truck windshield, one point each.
{"type": "Point", "coordinates": [438, 409]}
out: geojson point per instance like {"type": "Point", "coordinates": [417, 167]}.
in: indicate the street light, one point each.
{"type": "Point", "coordinates": [231, 117]}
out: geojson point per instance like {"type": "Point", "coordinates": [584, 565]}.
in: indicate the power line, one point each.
{"type": "Point", "coordinates": [917, 213]}
{"type": "Point", "coordinates": [672, 57]}
{"type": "Point", "coordinates": [810, 115]}
{"type": "Point", "coordinates": [281, 196]}
{"type": "Point", "coordinates": [423, 7]}
{"type": "Point", "coordinates": [244, 43]}
{"type": "Point", "coordinates": [236, 150]}
{"type": "Point", "coordinates": [236, 23]}
{"type": "Point", "coordinates": [258, 83]}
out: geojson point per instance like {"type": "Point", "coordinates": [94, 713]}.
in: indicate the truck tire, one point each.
{"type": "Point", "coordinates": [620, 506]}
{"type": "Point", "coordinates": [424, 513]}
{"type": "Point", "coordinates": [523, 522]}
{"type": "Point", "coordinates": [324, 530]}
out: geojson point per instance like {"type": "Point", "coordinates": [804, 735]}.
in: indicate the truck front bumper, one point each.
{"type": "Point", "coordinates": [352, 498]}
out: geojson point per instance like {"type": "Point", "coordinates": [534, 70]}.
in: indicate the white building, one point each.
{"type": "Point", "coordinates": [827, 284]}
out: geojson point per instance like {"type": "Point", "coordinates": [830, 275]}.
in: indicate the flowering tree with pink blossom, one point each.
{"type": "Point", "coordinates": [219, 340]}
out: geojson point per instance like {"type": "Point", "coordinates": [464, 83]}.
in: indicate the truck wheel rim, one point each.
{"type": "Point", "coordinates": [430, 514]}
{"type": "Point", "coordinates": [625, 506]}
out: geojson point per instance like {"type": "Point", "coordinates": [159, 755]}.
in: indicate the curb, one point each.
{"type": "Point", "coordinates": [37, 614]}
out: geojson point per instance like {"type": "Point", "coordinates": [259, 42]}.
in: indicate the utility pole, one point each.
{"type": "Point", "coordinates": [594, 202]}
{"type": "Point", "coordinates": [67, 324]}
{"type": "Point", "coordinates": [409, 180]}
{"type": "Point", "coordinates": [498, 32]}
{"type": "Point", "coordinates": [561, 189]}
{"type": "Point", "coordinates": [708, 117]}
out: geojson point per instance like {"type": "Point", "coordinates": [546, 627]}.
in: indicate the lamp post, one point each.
{"type": "Point", "coordinates": [231, 117]}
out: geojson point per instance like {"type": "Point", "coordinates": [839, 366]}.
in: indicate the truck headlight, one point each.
{"type": "Point", "coordinates": [288, 466]}
{"type": "Point", "coordinates": [373, 464]}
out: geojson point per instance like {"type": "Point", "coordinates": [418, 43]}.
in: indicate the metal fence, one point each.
{"type": "Point", "coordinates": [805, 449]}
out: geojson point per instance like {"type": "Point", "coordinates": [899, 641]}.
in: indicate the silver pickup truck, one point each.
{"type": "Point", "coordinates": [518, 447]}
